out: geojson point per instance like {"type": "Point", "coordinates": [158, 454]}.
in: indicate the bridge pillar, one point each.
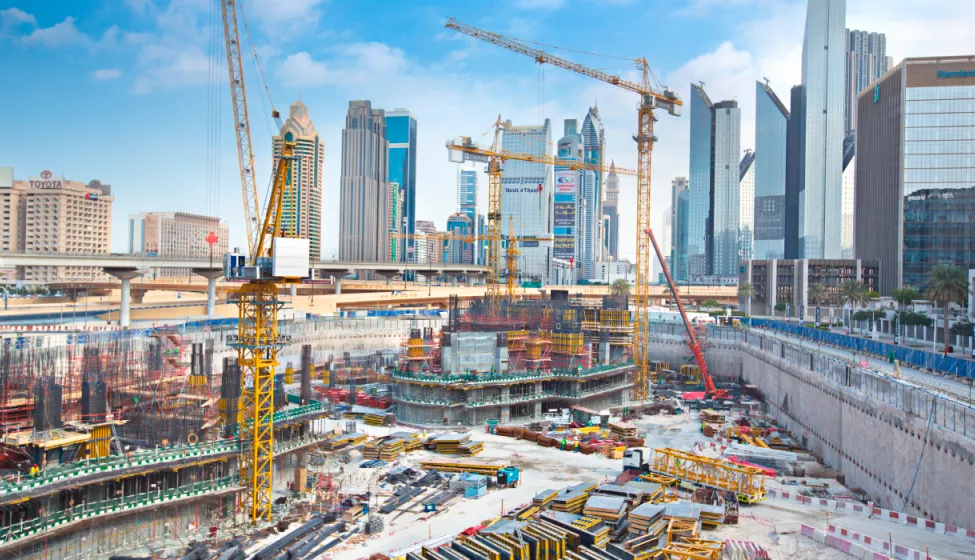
{"type": "Point", "coordinates": [211, 274]}
{"type": "Point", "coordinates": [125, 275]}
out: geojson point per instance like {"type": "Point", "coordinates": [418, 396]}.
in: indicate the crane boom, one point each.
{"type": "Point", "coordinates": [245, 152]}
{"type": "Point", "coordinates": [477, 153]}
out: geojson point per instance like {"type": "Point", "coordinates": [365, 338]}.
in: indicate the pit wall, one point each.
{"type": "Point", "coordinates": [871, 428]}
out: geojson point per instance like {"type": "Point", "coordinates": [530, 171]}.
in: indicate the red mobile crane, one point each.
{"type": "Point", "coordinates": [711, 390]}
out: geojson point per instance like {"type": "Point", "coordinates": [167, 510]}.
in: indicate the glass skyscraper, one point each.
{"type": "Point", "coordinates": [915, 170]}
{"type": "Point", "coordinates": [527, 196]}
{"type": "Point", "coordinates": [699, 190]}
{"type": "Point", "coordinates": [823, 70]}
{"type": "Point", "coordinates": [593, 144]}
{"type": "Point", "coordinates": [678, 227]}
{"type": "Point", "coordinates": [746, 208]}
{"type": "Point", "coordinates": [301, 212]}
{"type": "Point", "coordinates": [401, 134]}
{"type": "Point", "coordinates": [363, 185]}
{"type": "Point", "coordinates": [866, 61]}
{"type": "Point", "coordinates": [771, 130]}
{"type": "Point", "coordinates": [726, 193]}
{"type": "Point", "coordinates": [467, 192]}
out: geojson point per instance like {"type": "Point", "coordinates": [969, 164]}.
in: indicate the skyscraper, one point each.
{"type": "Point", "coordinates": [364, 194]}
{"type": "Point", "coordinates": [467, 192]}
{"type": "Point", "coordinates": [746, 206]}
{"type": "Point", "coordinates": [823, 68]}
{"type": "Point", "coordinates": [301, 212]}
{"type": "Point", "coordinates": [678, 224]}
{"type": "Point", "coordinates": [401, 134]}
{"type": "Point", "coordinates": [771, 132]}
{"type": "Point", "coordinates": [569, 217]}
{"type": "Point", "coordinates": [593, 146]}
{"type": "Point", "coordinates": [726, 196]}
{"type": "Point", "coordinates": [795, 156]}
{"type": "Point", "coordinates": [699, 186]}
{"type": "Point", "coordinates": [460, 251]}
{"type": "Point", "coordinates": [849, 192]}
{"type": "Point", "coordinates": [527, 196]}
{"type": "Point", "coordinates": [866, 61]}
{"type": "Point", "coordinates": [425, 250]}
{"type": "Point", "coordinates": [611, 213]}
{"type": "Point", "coordinates": [397, 205]}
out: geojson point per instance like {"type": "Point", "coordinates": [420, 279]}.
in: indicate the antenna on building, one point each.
{"type": "Point", "coordinates": [766, 81]}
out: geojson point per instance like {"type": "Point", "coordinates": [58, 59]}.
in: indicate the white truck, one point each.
{"type": "Point", "coordinates": [636, 458]}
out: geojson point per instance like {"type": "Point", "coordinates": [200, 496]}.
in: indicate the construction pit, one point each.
{"type": "Point", "coordinates": [362, 469]}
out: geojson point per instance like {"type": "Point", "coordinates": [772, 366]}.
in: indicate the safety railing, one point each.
{"type": "Point", "coordinates": [510, 377]}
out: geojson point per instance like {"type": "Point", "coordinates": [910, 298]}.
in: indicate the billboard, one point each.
{"type": "Point", "coordinates": [565, 247]}
{"type": "Point", "coordinates": [564, 214]}
{"type": "Point", "coordinates": [566, 181]}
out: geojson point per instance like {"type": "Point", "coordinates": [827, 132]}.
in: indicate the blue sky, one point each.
{"type": "Point", "coordinates": [133, 92]}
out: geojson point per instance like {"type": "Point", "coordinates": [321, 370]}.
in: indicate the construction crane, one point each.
{"type": "Point", "coordinates": [710, 390]}
{"type": "Point", "coordinates": [511, 256]}
{"type": "Point", "coordinates": [650, 101]}
{"type": "Point", "coordinates": [445, 239]}
{"type": "Point", "coordinates": [273, 258]}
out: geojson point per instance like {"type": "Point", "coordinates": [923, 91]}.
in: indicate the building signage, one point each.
{"type": "Point", "coordinates": [942, 74]}
{"type": "Point", "coordinates": [47, 181]}
{"type": "Point", "coordinates": [818, 315]}
{"type": "Point", "coordinates": [565, 247]}
{"type": "Point", "coordinates": [525, 244]}
{"type": "Point", "coordinates": [565, 181]}
{"type": "Point", "coordinates": [897, 329]}
{"type": "Point", "coordinates": [876, 93]}
{"type": "Point", "coordinates": [529, 189]}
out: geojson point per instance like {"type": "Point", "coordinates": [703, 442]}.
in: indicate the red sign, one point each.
{"type": "Point", "coordinates": [211, 238]}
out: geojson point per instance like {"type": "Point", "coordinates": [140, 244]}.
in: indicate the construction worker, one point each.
{"type": "Point", "coordinates": [34, 471]}
{"type": "Point", "coordinates": [575, 446]}
{"type": "Point", "coordinates": [563, 443]}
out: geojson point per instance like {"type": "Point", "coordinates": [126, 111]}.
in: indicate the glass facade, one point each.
{"type": "Point", "coordinates": [401, 134]}
{"type": "Point", "coordinates": [939, 180]}
{"type": "Point", "coordinates": [527, 194]}
{"type": "Point", "coordinates": [746, 208]}
{"type": "Point", "coordinates": [866, 61]}
{"type": "Point", "coordinates": [771, 132]}
{"type": "Point", "coordinates": [823, 77]}
{"type": "Point", "coordinates": [699, 196]}
{"type": "Point", "coordinates": [726, 191]}
{"type": "Point", "coordinates": [467, 192]}
{"type": "Point", "coordinates": [680, 235]}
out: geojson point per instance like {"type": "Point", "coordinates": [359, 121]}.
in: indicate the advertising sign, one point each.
{"type": "Point", "coordinates": [565, 214]}
{"type": "Point", "coordinates": [897, 329]}
{"type": "Point", "coordinates": [566, 181]}
{"type": "Point", "coordinates": [818, 311]}
{"type": "Point", "coordinates": [47, 180]}
{"type": "Point", "coordinates": [565, 247]}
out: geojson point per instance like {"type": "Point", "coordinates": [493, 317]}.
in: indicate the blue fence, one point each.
{"type": "Point", "coordinates": [907, 356]}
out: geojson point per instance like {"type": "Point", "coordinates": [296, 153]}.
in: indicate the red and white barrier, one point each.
{"type": "Point", "coordinates": [899, 552]}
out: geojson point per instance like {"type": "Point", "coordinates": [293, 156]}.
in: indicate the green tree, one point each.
{"type": "Point", "coordinates": [747, 291]}
{"type": "Point", "coordinates": [855, 294]}
{"type": "Point", "coordinates": [620, 289]}
{"type": "Point", "coordinates": [818, 293]}
{"type": "Point", "coordinates": [961, 328]}
{"type": "Point", "coordinates": [914, 319]}
{"type": "Point", "coordinates": [905, 296]}
{"type": "Point", "coordinates": [709, 304]}
{"type": "Point", "coordinates": [948, 284]}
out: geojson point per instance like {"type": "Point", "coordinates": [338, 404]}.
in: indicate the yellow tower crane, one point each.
{"type": "Point", "coordinates": [274, 258]}
{"type": "Point", "coordinates": [511, 257]}
{"type": "Point", "coordinates": [650, 100]}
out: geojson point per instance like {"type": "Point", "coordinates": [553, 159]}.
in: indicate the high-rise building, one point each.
{"type": "Point", "coordinates": [593, 147]}
{"type": "Point", "coordinates": [364, 194]}
{"type": "Point", "coordinates": [915, 180]}
{"type": "Point", "coordinates": [611, 221]}
{"type": "Point", "coordinates": [823, 68]}
{"type": "Point", "coordinates": [301, 211]}
{"type": "Point", "coordinates": [527, 197]}
{"type": "Point", "coordinates": [849, 193]}
{"type": "Point", "coordinates": [49, 214]}
{"type": "Point", "coordinates": [680, 201]}
{"type": "Point", "coordinates": [701, 180]}
{"type": "Point", "coordinates": [746, 206]}
{"type": "Point", "coordinates": [482, 242]}
{"type": "Point", "coordinates": [467, 192]}
{"type": "Point", "coordinates": [397, 207]}
{"type": "Point", "coordinates": [424, 248]}
{"type": "Point", "coordinates": [460, 251]}
{"type": "Point", "coordinates": [795, 157]}
{"type": "Point", "coordinates": [771, 132]}
{"type": "Point", "coordinates": [401, 134]}
{"type": "Point", "coordinates": [569, 218]}
{"type": "Point", "coordinates": [866, 61]}
{"type": "Point", "coordinates": [176, 234]}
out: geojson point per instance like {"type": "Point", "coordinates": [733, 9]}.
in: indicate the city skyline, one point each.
{"type": "Point", "coordinates": [107, 56]}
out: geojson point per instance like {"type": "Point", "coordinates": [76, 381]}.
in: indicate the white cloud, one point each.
{"type": "Point", "coordinates": [139, 6]}
{"type": "Point", "coordinates": [539, 4]}
{"type": "Point", "coordinates": [284, 19]}
{"type": "Point", "coordinates": [354, 64]}
{"type": "Point", "coordinates": [60, 34]}
{"type": "Point", "coordinates": [300, 69]}
{"type": "Point", "coordinates": [11, 18]}
{"type": "Point", "coordinates": [106, 74]}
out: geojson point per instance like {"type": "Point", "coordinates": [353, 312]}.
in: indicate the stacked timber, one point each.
{"type": "Point", "coordinates": [345, 440]}
{"type": "Point", "coordinates": [712, 417]}
{"type": "Point", "coordinates": [544, 498]}
{"type": "Point", "coordinates": [455, 444]}
{"type": "Point", "coordinates": [623, 430]}
{"type": "Point", "coordinates": [645, 516]}
{"type": "Point", "coordinates": [570, 501]}
{"type": "Point", "coordinates": [487, 469]}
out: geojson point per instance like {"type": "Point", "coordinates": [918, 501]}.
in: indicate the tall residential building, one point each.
{"type": "Point", "coordinates": [49, 214]}
{"type": "Point", "coordinates": [176, 234]}
{"type": "Point", "coordinates": [460, 251]}
{"type": "Point", "coordinates": [795, 157]}
{"type": "Point", "coordinates": [424, 248]}
{"type": "Point", "coordinates": [771, 132]}
{"type": "Point", "coordinates": [746, 206]}
{"type": "Point", "coordinates": [364, 194]}
{"type": "Point", "coordinates": [527, 196]}
{"type": "Point", "coordinates": [680, 201]}
{"type": "Point", "coordinates": [866, 61]}
{"type": "Point", "coordinates": [401, 134]}
{"type": "Point", "coordinates": [593, 146]}
{"type": "Point", "coordinates": [569, 218]}
{"type": "Point", "coordinates": [611, 213]}
{"type": "Point", "coordinates": [701, 180]}
{"type": "Point", "coordinates": [849, 192]}
{"type": "Point", "coordinates": [397, 207]}
{"type": "Point", "coordinates": [823, 68]}
{"type": "Point", "coordinates": [467, 192]}
{"type": "Point", "coordinates": [301, 212]}
{"type": "Point", "coordinates": [915, 178]}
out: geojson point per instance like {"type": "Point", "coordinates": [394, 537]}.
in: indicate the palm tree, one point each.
{"type": "Point", "coordinates": [855, 294]}
{"type": "Point", "coordinates": [620, 289]}
{"type": "Point", "coordinates": [747, 291]}
{"type": "Point", "coordinates": [817, 293]}
{"type": "Point", "coordinates": [948, 284]}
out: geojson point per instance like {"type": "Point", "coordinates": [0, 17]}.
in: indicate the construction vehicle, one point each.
{"type": "Point", "coordinates": [636, 458]}
{"type": "Point", "coordinates": [274, 257]}
{"type": "Point", "coordinates": [711, 392]}
{"type": "Point", "coordinates": [650, 101]}
{"type": "Point", "coordinates": [509, 477]}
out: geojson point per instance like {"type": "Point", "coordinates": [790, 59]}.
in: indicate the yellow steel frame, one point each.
{"type": "Point", "coordinates": [511, 255]}
{"type": "Point", "coordinates": [494, 171]}
{"type": "Point", "coordinates": [746, 482]}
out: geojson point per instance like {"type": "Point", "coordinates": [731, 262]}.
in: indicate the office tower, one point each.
{"type": "Point", "coordinates": [364, 194]}
{"type": "Point", "coordinates": [401, 135]}
{"type": "Point", "coordinates": [849, 192]}
{"type": "Point", "coordinates": [726, 197]}
{"type": "Point", "coordinates": [50, 214]}
{"type": "Point", "coordinates": [467, 192]}
{"type": "Point", "coordinates": [301, 211]}
{"type": "Point", "coordinates": [396, 222]}
{"type": "Point", "coordinates": [424, 250]}
{"type": "Point", "coordinates": [611, 212]}
{"type": "Point", "coordinates": [593, 146]}
{"type": "Point", "coordinates": [866, 61]}
{"type": "Point", "coordinates": [678, 227]}
{"type": "Point", "coordinates": [699, 186]}
{"type": "Point", "coordinates": [569, 224]}
{"type": "Point", "coordinates": [176, 234]}
{"type": "Point", "coordinates": [481, 240]}
{"type": "Point", "coordinates": [795, 157]}
{"type": "Point", "coordinates": [915, 183]}
{"type": "Point", "coordinates": [460, 251]}
{"type": "Point", "coordinates": [746, 207]}
{"type": "Point", "coordinates": [820, 219]}
{"type": "Point", "coordinates": [771, 132]}
{"type": "Point", "coordinates": [527, 197]}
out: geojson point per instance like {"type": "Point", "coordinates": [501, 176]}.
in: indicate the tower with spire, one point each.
{"type": "Point", "coordinates": [593, 147]}
{"type": "Point", "coordinates": [302, 208]}
{"type": "Point", "coordinates": [611, 220]}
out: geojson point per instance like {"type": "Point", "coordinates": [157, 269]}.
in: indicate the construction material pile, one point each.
{"type": "Point", "coordinates": [392, 446]}
{"type": "Point", "coordinates": [343, 441]}
{"type": "Point", "coordinates": [586, 440]}
{"type": "Point", "coordinates": [454, 444]}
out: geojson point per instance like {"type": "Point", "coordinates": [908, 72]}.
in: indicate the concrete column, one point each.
{"type": "Point", "coordinates": [211, 274]}
{"type": "Point", "coordinates": [338, 285]}
{"type": "Point", "coordinates": [125, 275]}
{"type": "Point", "coordinates": [470, 280]}
{"type": "Point", "coordinates": [294, 291]}
{"type": "Point", "coordinates": [453, 280]}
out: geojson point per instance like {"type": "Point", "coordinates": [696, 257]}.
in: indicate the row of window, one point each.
{"type": "Point", "coordinates": [940, 92]}
{"type": "Point", "coordinates": [944, 133]}
{"type": "Point", "coordinates": [932, 161]}
{"type": "Point", "coordinates": [940, 119]}
{"type": "Point", "coordinates": [964, 176]}
{"type": "Point", "coordinates": [940, 147]}
{"type": "Point", "coordinates": [941, 106]}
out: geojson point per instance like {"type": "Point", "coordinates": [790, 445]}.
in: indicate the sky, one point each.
{"type": "Point", "coordinates": [134, 92]}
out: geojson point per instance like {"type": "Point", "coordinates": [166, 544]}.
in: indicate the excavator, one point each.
{"type": "Point", "coordinates": [711, 392]}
